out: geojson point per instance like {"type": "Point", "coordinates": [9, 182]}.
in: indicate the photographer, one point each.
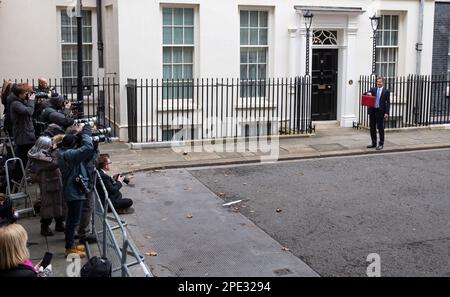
{"type": "Point", "coordinates": [54, 113]}
{"type": "Point", "coordinates": [84, 233]}
{"type": "Point", "coordinates": [7, 98]}
{"type": "Point", "coordinates": [43, 93]}
{"type": "Point", "coordinates": [21, 112]}
{"type": "Point", "coordinates": [75, 152]}
{"type": "Point", "coordinates": [113, 186]}
{"type": "Point", "coordinates": [44, 166]}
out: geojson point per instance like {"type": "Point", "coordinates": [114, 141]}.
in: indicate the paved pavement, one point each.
{"type": "Point", "coordinates": [337, 211]}
{"type": "Point", "coordinates": [328, 141]}
{"type": "Point", "coordinates": [193, 235]}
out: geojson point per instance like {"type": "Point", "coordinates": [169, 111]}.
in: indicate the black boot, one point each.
{"type": "Point", "coordinates": [60, 226]}
{"type": "Point", "coordinates": [46, 231]}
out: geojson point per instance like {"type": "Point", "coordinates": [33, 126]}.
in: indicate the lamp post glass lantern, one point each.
{"type": "Point", "coordinates": [308, 16]}
{"type": "Point", "coordinates": [375, 22]}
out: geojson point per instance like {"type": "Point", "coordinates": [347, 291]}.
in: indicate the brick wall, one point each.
{"type": "Point", "coordinates": [441, 38]}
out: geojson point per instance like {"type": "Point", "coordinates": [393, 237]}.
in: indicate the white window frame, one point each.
{"type": "Point", "coordinates": [248, 47]}
{"type": "Point", "coordinates": [391, 49]}
{"type": "Point", "coordinates": [173, 46]}
{"type": "Point", "coordinates": [73, 43]}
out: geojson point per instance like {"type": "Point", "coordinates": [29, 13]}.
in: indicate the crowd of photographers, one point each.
{"type": "Point", "coordinates": [61, 153]}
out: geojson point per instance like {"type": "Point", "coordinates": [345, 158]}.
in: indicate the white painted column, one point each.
{"type": "Point", "coordinates": [350, 100]}
{"type": "Point", "coordinates": [293, 53]}
{"type": "Point", "coordinates": [302, 52]}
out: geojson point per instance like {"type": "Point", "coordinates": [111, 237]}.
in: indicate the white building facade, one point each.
{"type": "Point", "coordinates": [241, 39]}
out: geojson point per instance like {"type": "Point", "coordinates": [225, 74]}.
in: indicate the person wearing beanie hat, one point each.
{"type": "Point", "coordinates": [53, 113]}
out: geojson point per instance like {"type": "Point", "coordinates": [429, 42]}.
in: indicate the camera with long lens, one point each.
{"type": "Point", "coordinates": [104, 131]}
{"type": "Point", "coordinates": [89, 121]}
{"type": "Point", "coordinates": [82, 185]}
{"type": "Point", "coordinates": [85, 121]}
{"type": "Point", "coordinates": [42, 95]}
{"type": "Point", "coordinates": [100, 139]}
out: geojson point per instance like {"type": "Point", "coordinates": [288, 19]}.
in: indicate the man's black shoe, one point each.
{"type": "Point", "coordinates": [88, 239]}
{"type": "Point", "coordinates": [380, 148]}
{"type": "Point", "coordinates": [371, 146]}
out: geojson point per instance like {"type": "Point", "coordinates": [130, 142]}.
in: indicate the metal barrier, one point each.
{"type": "Point", "coordinates": [112, 237]}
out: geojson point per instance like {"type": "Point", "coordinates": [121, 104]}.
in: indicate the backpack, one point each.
{"type": "Point", "coordinates": [97, 267]}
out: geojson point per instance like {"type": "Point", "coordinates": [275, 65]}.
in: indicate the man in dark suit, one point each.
{"type": "Point", "coordinates": [379, 113]}
{"type": "Point", "coordinates": [113, 186]}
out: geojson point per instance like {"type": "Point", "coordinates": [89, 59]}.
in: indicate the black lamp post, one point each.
{"type": "Point", "coordinates": [79, 15]}
{"type": "Point", "coordinates": [375, 21]}
{"type": "Point", "coordinates": [308, 16]}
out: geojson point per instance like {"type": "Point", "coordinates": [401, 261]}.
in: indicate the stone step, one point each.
{"type": "Point", "coordinates": [326, 124]}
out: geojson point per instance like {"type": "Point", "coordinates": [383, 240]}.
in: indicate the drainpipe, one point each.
{"type": "Point", "coordinates": [419, 44]}
{"type": "Point", "coordinates": [100, 34]}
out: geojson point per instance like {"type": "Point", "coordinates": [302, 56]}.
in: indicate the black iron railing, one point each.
{"type": "Point", "coordinates": [101, 97]}
{"type": "Point", "coordinates": [200, 109]}
{"type": "Point", "coordinates": [416, 100]}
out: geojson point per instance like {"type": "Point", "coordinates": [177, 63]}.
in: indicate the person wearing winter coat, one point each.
{"type": "Point", "coordinates": [53, 113]}
{"type": "Point", "coordinates": [75, 152]}
{"type": "Point", "coordinates": [44, 166]}
{"type": "Point", "coordinates": [21, 112]}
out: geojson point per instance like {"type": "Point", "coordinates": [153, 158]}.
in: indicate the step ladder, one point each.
{"type": "Point", "coordinates": [19, 192]}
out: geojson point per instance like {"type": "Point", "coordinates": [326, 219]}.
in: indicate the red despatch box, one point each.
{"type": "Point", "coordinates": [369, 101]}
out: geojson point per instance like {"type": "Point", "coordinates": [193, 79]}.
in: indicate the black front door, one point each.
{"type": "Point", "coordinates": [324, 84]}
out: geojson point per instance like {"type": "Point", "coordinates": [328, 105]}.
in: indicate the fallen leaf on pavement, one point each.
{"type": "Point", "coordinates": [221, 194]}
{"type": "Point", "coordinates": [285, 249]}
{"type": "Point", "coordinates": [151, 254]}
